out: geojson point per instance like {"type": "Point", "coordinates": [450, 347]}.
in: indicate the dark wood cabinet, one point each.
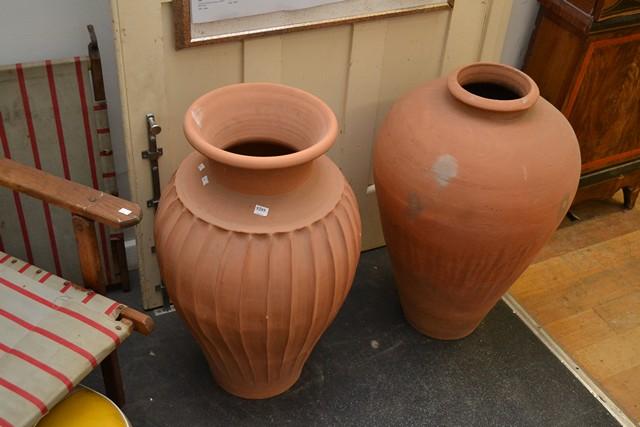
{"type": "Point", "coordinates": [585, 56]}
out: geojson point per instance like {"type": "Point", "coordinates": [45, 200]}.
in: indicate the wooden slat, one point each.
{"type": "Point", "coordinates": [263, 59]}
{"type": "Point", "coordinates": [141, 322]}
{"type": "Point", "coordinates": [496, 27]}
{"type": "Point", "coordinates": [626, 389]}
{"type": "Point", "coordinates": [305, 53]}
{"type": "Point", "coordinates": [139, 47]}
{"type": "Point", "coordinates": [361, 108]}
{"type": "Point", "coordinates": [611, 356]}
{"type": "Point", "coordinates": [622, 313]}
{"type": "Point", "coordinates": [580, 330]}
{"type": "Point", "coordinates": [465, 36]}
{"type": "Point", "coordinates": [74, 197]}
{"type": "Point", "coordinates": [89, 254]}
{"type": "Point", "coordinates": [584, 291]}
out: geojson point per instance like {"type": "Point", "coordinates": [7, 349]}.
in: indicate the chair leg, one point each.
{"type": "Point", "coordinates": [112, 377]}
{"type": "Point", "coordinates": [88, 253]}
{"type": "Point", "coordinates": [91, 268]}
{"type": "Point", "coordinates": [119, 254]}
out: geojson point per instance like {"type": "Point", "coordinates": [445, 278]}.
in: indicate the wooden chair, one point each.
{"type": "Point", "coordinates": [87, 206]}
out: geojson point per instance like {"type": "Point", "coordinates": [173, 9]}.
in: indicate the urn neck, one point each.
{"type": "Point", "coordinates": [260, 138]}
{"type": "Point", "coordinates": [260, 181]}
{"type": "Point", "coordinates": [493, 87]}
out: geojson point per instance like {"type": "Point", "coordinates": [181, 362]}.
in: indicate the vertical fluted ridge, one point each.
{"type": "Point", "coordinates": [302, 292]}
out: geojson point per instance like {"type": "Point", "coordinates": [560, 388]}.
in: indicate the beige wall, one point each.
{"type": "Point", "coordinates": [521, 25]}
{"type": "Point", "coordinates": [358, 69]}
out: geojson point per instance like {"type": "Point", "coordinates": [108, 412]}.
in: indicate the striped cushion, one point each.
{"type": "Point", "coordinates": [53, 334]}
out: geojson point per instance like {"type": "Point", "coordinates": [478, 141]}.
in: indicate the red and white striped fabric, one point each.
{"type": "Point", "coordinates": [49, 120]}
{"type": "Point", "coordinates": [53, 334]}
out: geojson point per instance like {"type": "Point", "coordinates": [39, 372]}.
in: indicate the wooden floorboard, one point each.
{"type": "Point", "coordinates": [584, 290]}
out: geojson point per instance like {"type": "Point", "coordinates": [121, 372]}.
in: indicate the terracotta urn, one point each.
{"type": "Point", "coordinates": [473, 173]}
{"type": "Point", "coordinates": [258, 233]}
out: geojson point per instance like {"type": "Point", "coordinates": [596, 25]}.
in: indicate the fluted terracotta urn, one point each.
{"type": "Point", "coordinates": [473, 173]}
{"type": "Point", "coordinates": [258, 233]}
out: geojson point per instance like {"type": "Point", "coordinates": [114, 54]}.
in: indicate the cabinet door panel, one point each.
{"type": "Point", "coordinates": [613, 8]}
{"type": "Point", "coordinates": [604, 106]}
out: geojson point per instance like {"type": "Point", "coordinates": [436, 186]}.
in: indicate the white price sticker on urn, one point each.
{"type": "Point", "coordinates": [261, 210]}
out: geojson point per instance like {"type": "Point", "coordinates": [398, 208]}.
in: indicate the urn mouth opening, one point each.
{"type": "Point", "coordinates": [261, 148]}
{"type": "Point", "coordinates": [260, 126]}
{"type": "Point", "coordinates": [494, 87]}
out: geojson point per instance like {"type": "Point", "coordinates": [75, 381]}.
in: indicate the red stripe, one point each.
{"type": "Point", "coordinates": [105, 153]}
{"type": "Point", "coordinates": [58, 120]}
{"type": "Point", "coordinates": [65, 288]}
{"type": "Point", "coordinates": [85, 120]}
{"type": "Point", "coordinates": [63, 157]}
{"type": "Point", "coordinates": [16, 196]}
{"type": "Point", "coordinates": [90, 153]}
{"type": "Point", "coordinates": [101, 131]}
{"type": "Point", "coordinates": [89, 297]}
{"type": "Point", "coordinates": [36, 160]}
{"type": "Point", "coordinates": [23, 226]}
{"type": "Point", "coordinates": [105, 253]}
{"type": "Point", "coordinates": [45, 277]}
{"type": "Point", "coordinates": [5, 423]}
{"type": "Point", "coordinates": [38, 364]}
{"type": "Point", "coordinates": [84, 319]}
{"type": "Point", "coordinates": [112, 307]}
{"type": "Point", "coordinates": [5, 258]}
{"type": "Point", "coordinates": [53, 337]}
{"type": "Point", "coordinates": [52, 238]}
{"type": "Point", "coordinates": [27, 115]}
{"type": "Point", "coordinates": [98, 107]}
{"type": "Point", "coordinates": [24, 267]}
{"type": "Point", "coordinates": [25, 395]}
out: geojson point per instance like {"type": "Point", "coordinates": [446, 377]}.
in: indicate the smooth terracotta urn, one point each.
{"type": "Point", "coordinates": [258, 233]}
{"type": "Point", "coordinates": [473, 173]}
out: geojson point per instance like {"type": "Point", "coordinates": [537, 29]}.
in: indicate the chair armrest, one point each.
{"type": "Point", "coordinates": [76, 198]}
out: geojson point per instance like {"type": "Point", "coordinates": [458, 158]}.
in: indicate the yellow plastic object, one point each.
{"type": "Point", "coordinates": [84, 408]}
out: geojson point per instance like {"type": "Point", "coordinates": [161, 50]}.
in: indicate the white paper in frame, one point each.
{"type": "Point", "coordinates": [241, 20]}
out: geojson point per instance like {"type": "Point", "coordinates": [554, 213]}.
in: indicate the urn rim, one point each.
{"type": "Point", "coordinates": [498, 74]}
{"type": "Point", "coordinates": [315, 132]}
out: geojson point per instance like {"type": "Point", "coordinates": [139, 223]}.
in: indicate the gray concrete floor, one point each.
{"type": "Point", "coordinates": [369, 369]}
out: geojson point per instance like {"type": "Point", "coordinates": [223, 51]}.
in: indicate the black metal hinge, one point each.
{"type": "Point", "coordinates": [153, 154]}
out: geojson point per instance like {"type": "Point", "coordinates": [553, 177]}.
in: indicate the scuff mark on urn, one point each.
{"type": "Point", "coordinates": [414, 206]}
{"type": "Point", "coordinates": [445, 169]}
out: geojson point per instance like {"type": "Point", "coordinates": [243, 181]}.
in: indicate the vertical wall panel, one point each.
{"type": "Point", "coordinates": [496, 27]}
{"type": "Point", "coordinates": [189, 73]}
{"type": "Point", "coordinates": [140, 52]}
{"type": "Point", "coordinates": [465, 33]}
{"type": "Point", "coordinates": [317, 61]}
{"type": "Point", "coordinates": [361, 109]}
{"type": "Point", "coordinates": [263, 59]}
{"type": "Point", "coordinates": [358, 69]}
{"type": "Point", "coordinates": [412, 55]}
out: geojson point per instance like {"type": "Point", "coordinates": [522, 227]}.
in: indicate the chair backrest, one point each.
{"type": "Point", "coordinates": [50, 120]}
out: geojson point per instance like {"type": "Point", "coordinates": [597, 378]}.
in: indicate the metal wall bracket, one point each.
{"type": "Point", "coordinates": [153, 154]}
